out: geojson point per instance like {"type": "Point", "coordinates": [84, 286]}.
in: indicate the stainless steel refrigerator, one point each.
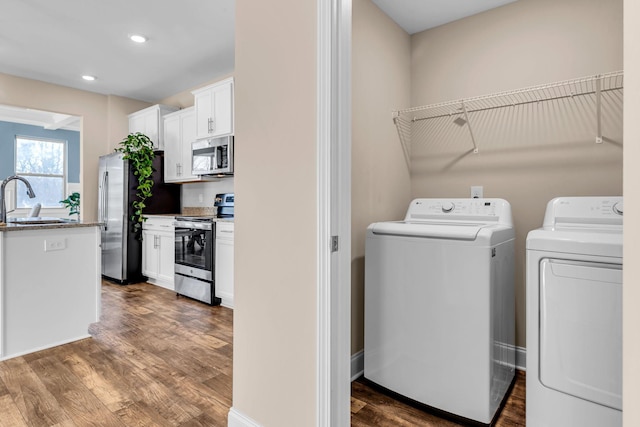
{"type": "Point", "coordinates": [121, 247]}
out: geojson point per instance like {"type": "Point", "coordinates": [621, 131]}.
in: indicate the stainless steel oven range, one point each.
{"type": "Point", "coordinates": [194, 248]}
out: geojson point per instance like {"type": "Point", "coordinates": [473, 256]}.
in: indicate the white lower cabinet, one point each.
{"type": "Point", "coordinates": [224, 262]}
{"type": "Point", "coordinates": [158, 251]}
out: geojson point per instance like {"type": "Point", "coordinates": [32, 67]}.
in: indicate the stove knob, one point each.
{"type": "Point", "coordinates": [619, 208]}
{"type": "Point", "coordinates": [447, 207]}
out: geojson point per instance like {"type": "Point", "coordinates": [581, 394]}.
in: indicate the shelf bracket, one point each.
{"type": "Point", "coordinates": [599, 109]}
{"type": "Point", "coordinates": [406, 149]}
{"type": "Point", "coordinates": [466, 117]}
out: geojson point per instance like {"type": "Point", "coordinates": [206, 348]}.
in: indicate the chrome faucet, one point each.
{"type": "Point", "coordinates": [3, 206]}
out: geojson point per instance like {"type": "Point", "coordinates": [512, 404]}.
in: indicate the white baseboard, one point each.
{"type": "Point", "coordinates": [161, 283]}
{"type": "Point", "coordinates": [357, 365]}
{"type": "Point", "coordinates": [227, 299]}
{"type": "Point", "coordinates": [238, 419]}
{"type": "Point", "coordinates": [44, 347]}
{"type": "Point", "coordinates": [521, 358]}
{"type": "Point", "coordinates": [357, 362]}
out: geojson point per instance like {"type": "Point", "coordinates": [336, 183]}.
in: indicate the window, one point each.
{"type": "Point", "coordinates": [43, 163]}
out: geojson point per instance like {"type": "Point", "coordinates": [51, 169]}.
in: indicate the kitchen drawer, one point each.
{"type": "Point", "coordinates": [159, 223]}
{"type": "Point", "coordinates": [224, 230]}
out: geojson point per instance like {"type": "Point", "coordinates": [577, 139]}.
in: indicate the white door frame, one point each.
{"type": "Point", "coordinates": [334, 213]}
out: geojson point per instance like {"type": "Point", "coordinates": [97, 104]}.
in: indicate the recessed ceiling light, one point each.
{"type": "Point", "coordinates": [89, 78]}
{"type": "Point", "coordinates": [138, 38]}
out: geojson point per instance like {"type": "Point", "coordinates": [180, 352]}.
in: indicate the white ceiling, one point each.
{"type": "Point", "coordinates": [415, 16]}
{"type": "Point", "coordinates": [45, 119]}
{"type": "Point", "coordinates": [190, 42]}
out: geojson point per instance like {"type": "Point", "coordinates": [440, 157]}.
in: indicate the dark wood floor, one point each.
{"type": "Point", "coordinates": [157, 361]}
{"type": "Point", "coordinates": [370, 407]}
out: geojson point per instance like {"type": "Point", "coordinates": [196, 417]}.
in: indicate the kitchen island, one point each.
{"type": "Point", "coordinates": [49, 284]}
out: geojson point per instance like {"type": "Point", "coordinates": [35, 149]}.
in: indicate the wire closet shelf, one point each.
{"type": "Point", "coordinates": [592, 85]}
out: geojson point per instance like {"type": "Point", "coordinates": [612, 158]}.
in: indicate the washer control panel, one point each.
{"type": "Point", "coordinates": [448, 207]}
{"type": "Point", "coordinates": [484, 210]}
{"type": "Point", "coordinates": [481, 207]}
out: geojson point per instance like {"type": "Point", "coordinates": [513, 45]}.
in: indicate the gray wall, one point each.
{"type": "Point", "coordinates": [9, 131]}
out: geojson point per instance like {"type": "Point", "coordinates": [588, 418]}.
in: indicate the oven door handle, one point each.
{"type": "Point", "coordinates": [193, 225]}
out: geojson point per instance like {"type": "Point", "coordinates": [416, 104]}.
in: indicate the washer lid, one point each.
{"type": "Point", "coordinates": [443, 230]}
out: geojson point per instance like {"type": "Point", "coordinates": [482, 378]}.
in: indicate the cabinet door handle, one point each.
{"type": "Point", "coordinates": [178, 169]}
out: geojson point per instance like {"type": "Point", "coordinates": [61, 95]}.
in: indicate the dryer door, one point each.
{"type": "Point", "coordinates": [581, 329]}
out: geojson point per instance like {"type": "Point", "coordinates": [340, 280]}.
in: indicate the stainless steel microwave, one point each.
{"type": "Point", "coordinates": [212, 156]}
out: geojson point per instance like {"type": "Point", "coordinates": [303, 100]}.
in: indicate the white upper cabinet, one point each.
{"type": "Point", "coordinates": [179, 133]}
{"type": "Point", "coordinates": [172, 146]}
{"type": "Point", "coordinates": [149, 122]}
{"type": "Point", "coordinates": [214, 109]}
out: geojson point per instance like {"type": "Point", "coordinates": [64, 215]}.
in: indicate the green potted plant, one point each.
{"type": "Point", "coordinates": [137, 148]}
{"type": "Point", "coordinates": [73, 203]}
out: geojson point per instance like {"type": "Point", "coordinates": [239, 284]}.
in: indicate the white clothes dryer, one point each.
{"type": "Point", "coordinates": [574, 314]}
{"type": "Point", "coordinates": [439, 306]}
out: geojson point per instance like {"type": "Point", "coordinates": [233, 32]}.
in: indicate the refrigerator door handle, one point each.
{"type": "Point", "coordinates": [101, 199]}
{"type": "Point", "coordinates": [105, 199]}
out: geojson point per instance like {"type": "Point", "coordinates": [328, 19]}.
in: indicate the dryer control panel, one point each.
{"type": "Point", "coordinates": [477, 210]}
{"type": "Point", "coordinates": [584, 211]}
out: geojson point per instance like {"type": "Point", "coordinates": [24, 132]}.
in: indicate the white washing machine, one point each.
{"type": "Point", "coordinates": [439, 305]}
{"type": "Point", "coordinates": [574, 314]}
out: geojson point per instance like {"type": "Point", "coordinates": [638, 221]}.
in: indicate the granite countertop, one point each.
{"type": "Point", "coordinates": [42, 224]}
{"type": "Point", "coordinates": [12, 226]}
